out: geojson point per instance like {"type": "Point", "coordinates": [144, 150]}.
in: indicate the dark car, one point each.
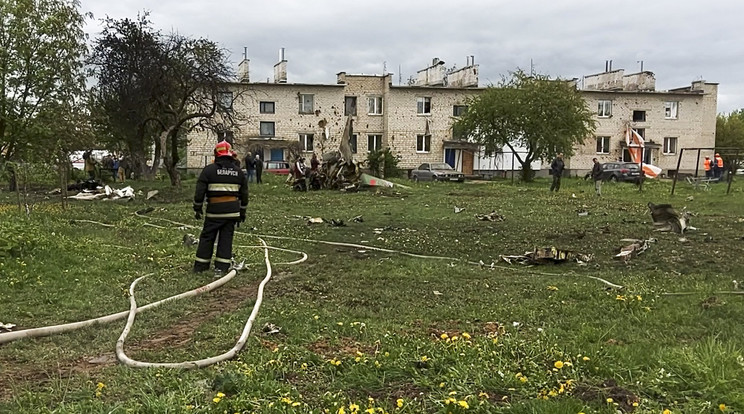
{"type": "Point", "coordinates": [436, 171]}
{"type": "Point", "coordinates": [621, 171]}
{"type": "Point", "coordinates": [276, 167]}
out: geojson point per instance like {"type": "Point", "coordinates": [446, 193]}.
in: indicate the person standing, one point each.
{"type": "Point", "coordinates": [707, 166]}
{"type": "Point", "coordinates": [597, 177]}
{"type": "Point", "coordinates": [258, 166]}
{"type": "Point", "coordinates": [556, 168]}
{"type": "Point", "coordinates": [225, 188]}
{"type": "Point", "coordinates": [90, 164]}
{"type": "Point", "coordinates": [314, 163]}
{"type": "Point", "coordinates": [718, 166]}
{"type": "Point", "coordinates": [250, 167]}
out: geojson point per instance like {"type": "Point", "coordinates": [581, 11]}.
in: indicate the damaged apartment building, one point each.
{"type": "Point", "coordinates": [415, 120]}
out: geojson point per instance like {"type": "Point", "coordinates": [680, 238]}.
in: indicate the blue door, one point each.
{"type": "Point", "coordinates": [277, 154]}
{"type": "Point", "coordinates": [449, 157]}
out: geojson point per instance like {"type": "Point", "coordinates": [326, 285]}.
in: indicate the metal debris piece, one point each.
{"type": "Point", "coordinates": [337, 223]}
{"type": "Point", "coordinates": [492, 216]}
{"type": "Point", "coordinates": [666, 219]}
{"type": "Point", "coordinates": [357, 219]}
{"type": "Point", "coordinates": [548, 255]}
{"type": "Point", "coordinates": [271, 329]}
{"type": "Point", "coordinates": [458, 209]}
{"type": "Point", "coordinates": [235, 265]}
{"type": "Point", "coordinates": [438, 293]}
{"type": "Point", "coordinates": [189, 240]}
{"type": "Point", "coordinates": [583, 213]}
{"type": "Point", "coordinates": [315, 220]}
{"type": "Point", "coordinates": [635, 248]}
{"type": "Point", "coordinates": [151, 194]}
{"type": "Point", "coordinates": [7, 326]}
{"type": "Point", "coordinates": [145, 210]}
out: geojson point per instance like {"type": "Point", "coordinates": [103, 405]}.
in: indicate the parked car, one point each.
{"type": "Point", "coordinates": [621, 171]}
{"type": "Point", "coordinates": [436, 171]}
{"type": "Point", "coordinates": [276, 167]}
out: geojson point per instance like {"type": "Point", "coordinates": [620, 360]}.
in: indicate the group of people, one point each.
{"type": "Point", "coordinates": [713, 168]}
{"type": "Point", "coordinates": [253, 167]}
{"type": "Point", "coordinates": [109, 162]}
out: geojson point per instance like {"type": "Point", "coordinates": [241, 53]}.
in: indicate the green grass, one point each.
{"type": "Point", "coordinates": [375, 330]}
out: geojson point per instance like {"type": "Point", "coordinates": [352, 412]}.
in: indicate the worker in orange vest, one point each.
{"type": "Point", "coordinates": [718, 166]}
{"type": "Point", "coordinates": [707, 165]}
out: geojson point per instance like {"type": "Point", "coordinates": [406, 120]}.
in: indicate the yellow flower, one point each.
{"type": "Point", "coordinates": [378, 364]}
{"type": "Point", "coordinates": [667, 411]}
{"type": "Point", "coordinates": [340, 323]}
{"type": "Point", "coordinates": [100, 385]}
{"type": "Point", "coordinates": [316, 317]}
{"type": "Point", "coordinates": [216, 399]}
{"type": "Point", "coordinates": [722, 407]}
{"type": "Point", "coordinates": [558, 364]}
{"type": "Point", "coordinates": [424, 358]}
{"type": "Point", "coordinates": [453, 393]}
{"type": "Point", "coordinates": [609, 400]}
{"type": "Point", "coordinates": [552, 288]}
{"type": "Point", "coordinates": [295, 404]}
{"type": "Point", "coordinates": [635, 403]}
{"type": "Point", "coordinates": [441, 385]}
{"type": "Point", "coordinates": [399, 402]}
{"type": "Point", "coordinates": [449, 401]}
{"type": "Point", "coordinates": [585, 358]}
{"type": "Point", "coordinates": [466, 335]}
{"type": "Point", "coordinates": [444, 336]}
{"type": "Point", "coordinates": [357, 359]}
{"type": "Point", "coordinates": [463, 404]}
{"type": "Point", "coordinates": [303, 366]}
{"type": "Point", "coordinates": [341, 410]}
{"type": "Point", "coordinates": [220, 395]}
{"type": "Point", "coordinates": [483, 395]}
{"type": "Point", "coordinates": [523, 378]}
{"type": "Point", "coordinates": [370, 410]}
{"type": "Point", "coordinates": [639, 298]}
{"type": "Point", "coordinates": [620, 297]}
{"type": "Point", "coordinates": [353, 407]}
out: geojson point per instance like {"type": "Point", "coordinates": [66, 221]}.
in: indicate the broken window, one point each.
{"type": "Point", "coordinates": [604, 109]}
{"type": "Point", "coordinates": [306, 142]}
{"type": "Point", "coordinates": [603, 145]}
{"type": "Point", "coordinates": [225, 136]}
{"type": "Point", "coordinates": [267, 129]}
{"type": "Point", "coordinates": [353, 143]}
{"type": "Point", "coordinates": [374, 142]}
{"type": "Point", "coordinates": [266, 107]}
{"type": "Point", "coordinates": [641, 132]}
{"type": "Point", "coordinates": [423, 143]}
{"type": "Point", "coordinates": [350, 105]}
{"type": "Point", "coordinates": [639, 116]}
{"type": "Point", "coordinates": [306, 103]}
{"type": "Point", "coordinates": [375, 105]}
{"type": "Point", "coordinates": [423, 105]}
{"type": "Point", "coordinates": [225, 101]}
{"type": "Point", "coordinates": [670, 109]}
{"type": "Point", "coordinates": [459, 110]}
{"type": "Point", "coordinates": [670, 145]}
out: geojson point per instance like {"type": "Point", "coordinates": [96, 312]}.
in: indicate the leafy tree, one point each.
{"type": "Point", "coordinates": [730, 130]}
{"type": "Point", "coordinates": [544, 116]}
{"type": "Point", "coordinates": [42, 45]}
{"type": "Point", "coordinates": [383, 163]}
{"type": "Point", "coordinates": [153, 88]}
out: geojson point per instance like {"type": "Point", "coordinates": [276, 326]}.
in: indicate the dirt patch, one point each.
{"type": "Point", "coordinates": [608, 389]}
{"type": "Point", "coordinates": [342, 346]}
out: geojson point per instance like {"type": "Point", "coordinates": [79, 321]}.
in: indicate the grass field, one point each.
{"type": "Point", "coordinates": [364, 331]}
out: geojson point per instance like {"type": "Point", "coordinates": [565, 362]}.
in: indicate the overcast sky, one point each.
{"type": "Point", "coordinates": [680, 41]}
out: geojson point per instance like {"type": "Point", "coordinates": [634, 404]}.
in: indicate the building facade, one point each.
{"type": "Point", "coordinates": [282, 119]}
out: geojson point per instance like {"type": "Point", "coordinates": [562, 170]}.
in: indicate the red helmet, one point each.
{"type": "Point", "coordinates": [223, 149]}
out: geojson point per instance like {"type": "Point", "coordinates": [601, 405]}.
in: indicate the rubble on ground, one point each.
{"type": "Point", "coordinates": [548, 255]}
{"type": "Point", "coordinates": [635, 248]}
{"type": "Point", "coordinates": [492, 216]}
{"type": "Point", "coordinates": [666, 219]}
{"type": "Point", "coordinates": [104, 193]}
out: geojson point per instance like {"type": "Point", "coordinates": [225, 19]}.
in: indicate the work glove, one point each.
{"type": "Point", "coordinates": [198, 214]}
{"type": "Point", "coordinates": [242, 216]}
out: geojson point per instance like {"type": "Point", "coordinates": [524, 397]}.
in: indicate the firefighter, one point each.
{"type": "Point", "coordinates": [226, 189]}
{"type": "Point", "coordinates": [707, 164]}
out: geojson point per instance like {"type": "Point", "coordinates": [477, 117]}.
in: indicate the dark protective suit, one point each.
{"type": "Point", "coordinates": [225, 187]}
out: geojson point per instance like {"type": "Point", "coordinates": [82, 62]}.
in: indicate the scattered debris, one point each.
{"type": "Point", "coordinates": [458, 209]}
{"type": "Point", "coordinates": [315, 220]}
{"type": "Point", "coordinates": [690, 198]}
{"type": "Point", "coordinates": [357, 219]}
{"type": "Point", "coordinates": [105, 193]}
{"type": "Point", "coordinates": [666, 219]}
{"type": "Point", "coordinates": [438, 293]}
{"type": "Point", "coordinates": [635, 248]}
{"type": "Point", "coordinates": [583, 213]}
{"type": "Point", "coordinates": [145, 210]}
{"type": "Point", "coordinates": [492, 216]}
{"type": "Point", "coordinates": [337, 223]}
{"type": "Point", "coordinates": [189, 240]}
{"type": "Point", "coordinates": [271, 329]}
{"type": "Point", "coordinates": [548, 255]}
{"type": "Point", "coordinates": [56, 191]}
{"type": "Point", "coordinates": [7, 326]}
{"type": "Point", "coordinates": [151, 194]}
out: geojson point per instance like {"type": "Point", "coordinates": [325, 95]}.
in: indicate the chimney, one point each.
{"type": "Point", "coordinates": [244, 75]}
{"type": "Point", "coordinates": [434, 61]}
{"type": "Point", "coordinates": [280, 69]}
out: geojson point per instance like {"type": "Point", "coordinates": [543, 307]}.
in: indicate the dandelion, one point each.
{"type": "Point", "coordinates": [635, 403]}
{"type": "Point", "coordinates": [353, 408]}
{"type": "Point", "coordinates": [554, 288]}
{"type": "Point", "coordinates": [450, 400]}
{"type": "Point", "coordinates": [466, 335]}
{"type": "Point", "coordinates": [722, 407]}
{"type": "Point", "coordinates": [620, 298]}
{"type": "Point", "coordinates": [424, 358]}
{"type": "Point", "coordinates": [586, 358]}
{"type": "Point", "coordinates": [453, 393]}
{"type": "Point", "coordinates": [340, 323]}
{"type": "Point", "coordinates": [370, 410]}
{"type": "Point", "coordinates": [609, 400]}
{"type": "Point", "coordinates": [399, 402]}
{"type": "Point", "coordinates": [341, 410]}
{"type": "Point", "coordinates": [444, 335]}
{"type": "Point", "coordinates": [558, 364]}
{"type": "Point", "coordinates": [523, 378]}
{"type": "Point", "coordinates": [639, 298]}
{"type": "Point", "coordinates": [303, 366]}
{"type": "Point", "coordinates": [316, 317]}
{"type": "Point", "coordinates": [666, 411]}
{"type": "Point", "coordinates": [441, 385]}
{"type": "Point", "coordinates": [483, 395]}
{"type": "Point", "coordinates": [216, 399]}
{"type": "Point", "coordinates": [463, 404]}
{"type": "Point", "coordinates": [378, 364]}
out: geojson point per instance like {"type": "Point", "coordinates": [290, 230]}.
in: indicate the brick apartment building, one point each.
{"type": "Point", "coordinates": [415, 121]}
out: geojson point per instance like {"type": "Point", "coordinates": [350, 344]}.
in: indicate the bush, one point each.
{"type": "Point", "coordinates": [385, 161]}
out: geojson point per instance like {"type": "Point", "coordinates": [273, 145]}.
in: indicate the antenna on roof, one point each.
{"type": "Point", "coordinates": [384, 67]}
{"type": "Point", "coordinates": [245, 52]}
{"type": "Point", "coordinates": [641, 62]}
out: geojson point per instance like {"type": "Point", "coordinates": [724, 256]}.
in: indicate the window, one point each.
{"type": "Point", "coordinates": [306, 142]}
{"type": "Point", "coordinates": [375, 105]}
{"type": "Point", "coordinates": [374, 142]}
{"type": "Point", "coordinates": [225, 136]}
{"type": "Point", "coordinates": [353, 143]}
{"type": "Point", "coordinates": [670, 110]}
{"type": "Point", "coordinates": [266, 107]}
{"type": "Point", "coordinates": [350, 106]}
{"type": "Point", "coordinates": [670, 145]}
{"type": "Point", "coordinates": [267, 129]}
{"type": "Point", "coordinates": [604, 109]}
{"type": "Point", "coordinates": [641, 132]}
{"type": "Point", "coordinates": [306, 103]}
{"type": "Point", "coordinates": [459, 110]}
{"type": "Point", "coordinates": [603, 145]}
{"type": "Point", "coordinates": [423, 105]}
{"type": "Point", "coordinates": [639, 116]}
{"type": "Point", "coordinates": [225, 101]}
{"type": "Point", "coordinates": [423, 143]}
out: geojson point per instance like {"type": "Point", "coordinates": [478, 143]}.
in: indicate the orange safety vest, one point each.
{"type": "Point", "coordinates": [706, 164]}
{"type": "Point", "coordinates": [719, 161]}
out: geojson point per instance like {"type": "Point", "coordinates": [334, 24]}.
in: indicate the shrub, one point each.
{"type": "Point", "coordinates": [384, 161]}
